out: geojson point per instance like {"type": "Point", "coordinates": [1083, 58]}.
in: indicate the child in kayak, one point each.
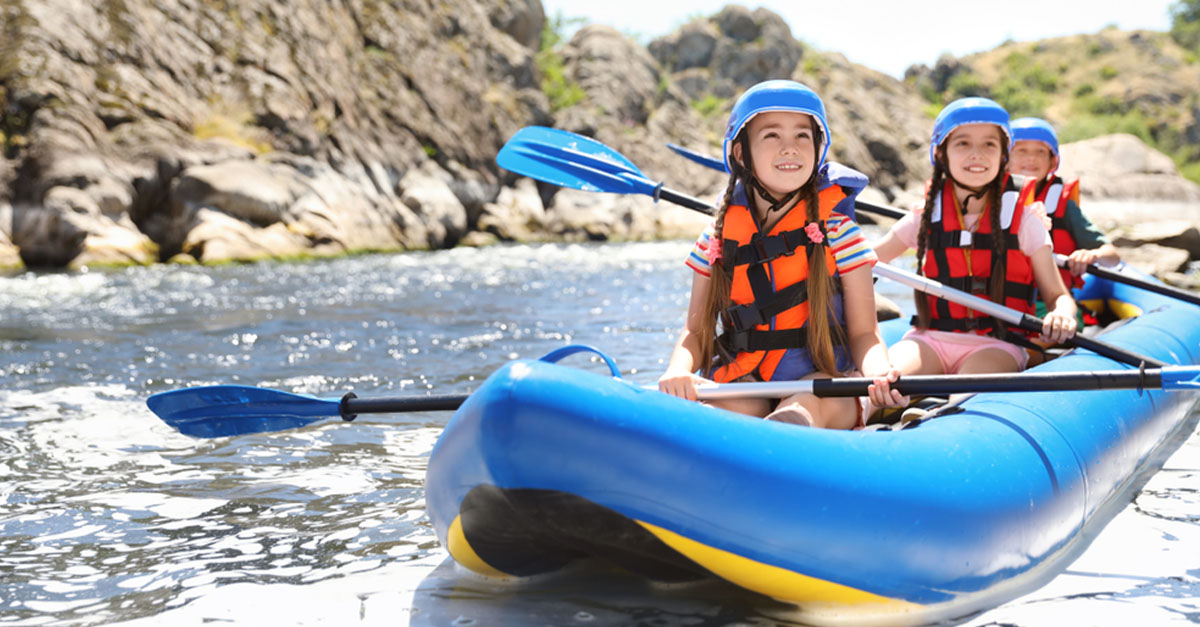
{"type": "Point", "coordinates": [970, 201]}
{"type": "Point", "coordinates": [1035, 155]}
{"type": "Point", "coordinates": [784, 268]}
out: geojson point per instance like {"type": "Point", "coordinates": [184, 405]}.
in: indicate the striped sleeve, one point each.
{"type": "Point", "coordinates": [698, 259]}
{"type": "Point", "coordinates": [850, 248]}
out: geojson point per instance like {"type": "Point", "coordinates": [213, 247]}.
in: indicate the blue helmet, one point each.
{"type": "Point", "coordinates": [973, 110]}
{"type": "Point", "coordinates": [776, 95]}
{"type": "Point", "coordinates": [1035, 129]}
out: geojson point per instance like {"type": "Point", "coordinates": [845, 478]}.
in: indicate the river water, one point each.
{"type": "Point", "coordinates": [109, 516]}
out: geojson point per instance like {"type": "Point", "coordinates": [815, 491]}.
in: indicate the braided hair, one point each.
{"type": "Point", "coordinates": [993, 192]}
{"type": "Point", "coordinates": [820, 331]}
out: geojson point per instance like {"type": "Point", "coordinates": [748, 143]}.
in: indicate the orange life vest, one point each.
{"type": "Point", "coordinates": [769, 286]}
{"type": "Point", "coordinates": [962, 260]}
{"type": "Point", "coordinates": [1056, 194]}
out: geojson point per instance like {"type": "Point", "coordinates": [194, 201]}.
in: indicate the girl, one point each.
{"type": "Point", "coordinates": [976, 234]}
{"type": "Point", "coordinates": [787, 275]}
{"type": "Point", "coordinates": [1035, 154]}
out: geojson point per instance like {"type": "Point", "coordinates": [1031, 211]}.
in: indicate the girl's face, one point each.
{"type": "Point", "coordinates": [973, 154]}
{"type": "Point", "coordinates": [1031, 158]}
{"type": "Point", "coordinates": [782, 149]}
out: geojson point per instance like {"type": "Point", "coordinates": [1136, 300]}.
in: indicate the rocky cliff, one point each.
{"type": "Point", "coordinates": [210, 130]}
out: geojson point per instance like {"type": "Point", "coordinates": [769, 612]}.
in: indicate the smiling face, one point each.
{"type": "Point", "coordinates": [974, 153]}
{"type": "Point", "coordinates": [783, 150]}
{"type": "Point", "coordinates": [1031, 158]}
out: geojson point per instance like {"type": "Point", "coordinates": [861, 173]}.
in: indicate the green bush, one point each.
{"type": "Point", "coordinates": [965, 84]}
{"type": "Point", "coordinates": [560, 90]}
{"type": "Point", "coordinates": [1185, 23]}
{"type": "Point", "coordinates": [708, 105]}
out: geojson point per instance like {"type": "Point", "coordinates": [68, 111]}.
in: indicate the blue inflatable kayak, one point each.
{"type": "Point", "coordinates": [545, 465]}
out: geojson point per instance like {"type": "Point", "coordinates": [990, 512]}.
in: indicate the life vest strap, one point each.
{"type": "Point", "coordinates": [753, 340]}
{"type": "Point", "coordinates": [762, 249]}
{"type": "Point", "coordinates": [966, 239]}
{"type": "Point", "coordinates": [741, 317]}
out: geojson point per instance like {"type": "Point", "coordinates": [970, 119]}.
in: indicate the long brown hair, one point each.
{"type": "Point", "coordinates": [992, 197]}
{"type": "Point", "coordinates": [821, 289]}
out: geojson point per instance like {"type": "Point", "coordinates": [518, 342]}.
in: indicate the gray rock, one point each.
{"type": "Point", "coordinates": [1175, 234]}
{"type": "Point", "coordinates": [1155, 259]}
{"type": "Point", "coordinates": [1121, 166]}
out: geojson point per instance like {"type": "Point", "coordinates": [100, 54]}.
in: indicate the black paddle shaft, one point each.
{"type": "Point", "coordinates": [1165, 290]}
{"type": "Point", "coordinates": [351, 406]}
{"type": "Point", "coordinates": [1005, 382]}
{"type": "Point", "coordinates": [1032, 323]}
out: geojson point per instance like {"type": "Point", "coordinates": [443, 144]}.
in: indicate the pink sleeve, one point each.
{"type": "Point", "coordinates": [1033, 234]}
{"type": "Point", "coordinates": [905, 229]}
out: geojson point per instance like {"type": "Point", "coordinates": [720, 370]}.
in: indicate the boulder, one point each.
{"type": "Point", "coordinates": [1154, 259]}
{"type": "Point", "coordinates": [1121, 166]}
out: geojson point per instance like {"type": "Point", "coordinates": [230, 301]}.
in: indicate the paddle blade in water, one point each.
{"type": "Point", "coordinates": [220, 410]}
{"type": "Point", "coordinates": [569, 160]}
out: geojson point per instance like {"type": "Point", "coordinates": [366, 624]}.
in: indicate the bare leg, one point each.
{"type": "Point", "coordinates": [911, 357]}
{"type": "Point", "coordinates": [808, 410]}
{"type": "Point", "coordinates": [986, 361]}
{"type": "Point", "coordinates": [757, 407]}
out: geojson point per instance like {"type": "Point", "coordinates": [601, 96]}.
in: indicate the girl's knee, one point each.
{"type": "Point", "coordinates": [792, 413]}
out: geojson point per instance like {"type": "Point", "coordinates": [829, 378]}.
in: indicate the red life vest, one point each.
{"type": "Point", "coordinates": [769, 286]}
{"type": "Point", "coordinates": [962, 260]}
{"type": "Point", "coordinates": [1055, 194]}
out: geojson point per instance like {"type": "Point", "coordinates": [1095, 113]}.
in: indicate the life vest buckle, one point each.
{"type": "Point", "coordinates": [979, 285]}
{"type": "Point", "coordinates": [742, 317]}
{"type": "Point", "coordinates": [769, 248]}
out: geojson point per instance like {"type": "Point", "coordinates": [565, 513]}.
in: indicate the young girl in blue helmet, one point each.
{"type": "Point", "coordinates": [783, 268]}
{"type": "Point", "coordinates": [978, 233]}
{"type": "Point", "coordinates": [1035, 155]}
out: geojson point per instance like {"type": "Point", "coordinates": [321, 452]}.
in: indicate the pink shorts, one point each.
{"type": "Point", "coordinates": [954, 348]}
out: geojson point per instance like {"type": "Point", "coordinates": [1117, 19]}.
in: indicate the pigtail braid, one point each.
{"type": "Point", "coordinates": [999, 241]}
{"type": "Point", "coordinates": [719, 289]}
{"type": "Point", "coordinates": [936, 187]}
{"type": "Point", "coordinates": [822, 327]}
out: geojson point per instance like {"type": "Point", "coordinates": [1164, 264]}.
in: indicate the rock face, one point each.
{"type": "Point", "coordinates": [1121, 166]}
{"type": "Point", "coordinates": [136, 130]}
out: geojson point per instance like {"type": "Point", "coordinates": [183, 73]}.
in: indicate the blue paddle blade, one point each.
{"type": "Point", "coordinates": [570, 160]}
{"type": "Point", "coordinates": [219, 410]}
{"type": "Point", "coordinates": [1181, 378]}
{"type": "Point", "coordinates": [698, 157]}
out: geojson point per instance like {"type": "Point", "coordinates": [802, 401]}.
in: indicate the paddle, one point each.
{"type": "Point", "coordinates": [214, 411]}
{"type": "Point", "coordinates": [1115, 275]}
{"type": "Point", "coordinates": [699, 157]}
{"type": "Point", "coordinates": [222, 410]}
{"type": "Point", "coordinates": [1061, 260]}
{"type": "Point", "coordinates": [1011, 316]}
{"type": "Point", "coordinates": [570, 160]}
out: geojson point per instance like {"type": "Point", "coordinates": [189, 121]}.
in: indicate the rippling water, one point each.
{"type": "Point", "coordinates": [107, 515]}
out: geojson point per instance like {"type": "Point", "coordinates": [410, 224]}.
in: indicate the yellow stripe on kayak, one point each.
{"type": "Point", "coordinates": [770, 580]}
{"type": "Point", "coordinates": [462, 552]}
{"type": "Point", "coordinates": [1123, 309]}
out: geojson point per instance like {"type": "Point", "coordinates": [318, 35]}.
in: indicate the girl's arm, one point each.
{"type": "Point", "coordinates": [889, 246]}
{"type": "Point", "coordinates": [1059, 323]}
{"type": "Point", "coordinates": [1081, 258]}
{"type": "Point", "coordinates": [680, 378]}
{"type": "Point", "coordinates": [866, 344]}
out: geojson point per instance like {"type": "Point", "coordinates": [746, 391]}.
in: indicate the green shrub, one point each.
{"type": "Point", "coordinates": [965, 84]}
{"type": "Point", "coordinates": [708, 105]}
{"type": "Point", "coordinates": [1108, 72]}
{"type": "Point", "coordinates": [560, 90]}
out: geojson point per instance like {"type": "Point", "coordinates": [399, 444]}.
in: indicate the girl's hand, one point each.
{"type": "Point", "coordinates": [881, 393]}
{"type": "Point", "coordinates": [1079, 260]}
{"type": "Point", "coordinates": [1057, 328]}
{"type": "Point", "coordinates": [681, 384]}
